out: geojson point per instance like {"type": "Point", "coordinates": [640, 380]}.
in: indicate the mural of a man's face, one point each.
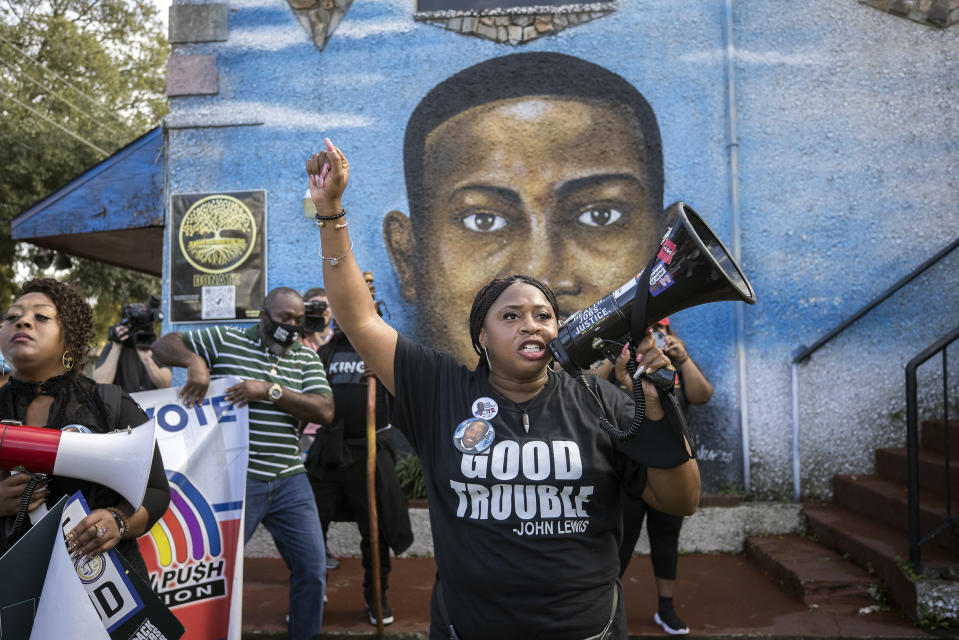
{"type": "Point", "coordinates": [554, 187]}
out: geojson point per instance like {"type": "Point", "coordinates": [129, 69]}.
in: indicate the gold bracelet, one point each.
{"type": "Point", "coordinates": [335, 261]}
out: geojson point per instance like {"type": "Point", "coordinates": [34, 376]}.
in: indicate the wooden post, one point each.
{"type": "Point", "coordinates": [371, 500]}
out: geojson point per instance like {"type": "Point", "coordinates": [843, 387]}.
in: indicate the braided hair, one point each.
{"type": "Point", "coordinates": [489, 294]}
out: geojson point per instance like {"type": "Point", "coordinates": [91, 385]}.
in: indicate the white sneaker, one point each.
{"type": "Point", "coordinates": [674, 627]}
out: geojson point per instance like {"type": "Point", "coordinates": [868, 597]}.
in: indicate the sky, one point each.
{"type": "Point", "coordinates": [164, 7]}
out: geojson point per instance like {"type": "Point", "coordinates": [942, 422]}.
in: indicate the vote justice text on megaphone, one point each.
{"type": "Point", "coordinates": [120, 460]}
{"type": "Point", "coordinates": [692, 267]}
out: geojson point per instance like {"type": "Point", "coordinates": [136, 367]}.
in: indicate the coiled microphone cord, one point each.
{"type": "Point", "coordinates": [22, 510]}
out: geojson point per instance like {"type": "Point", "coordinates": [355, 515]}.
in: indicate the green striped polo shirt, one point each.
{"type": "Point", "coordinates": [274, 445]}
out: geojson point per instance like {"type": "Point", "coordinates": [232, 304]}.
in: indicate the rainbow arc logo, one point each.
{"type": "Point", "coordinates": [190, 563]}
{"type": "Point", "coordinates": [189, 528]}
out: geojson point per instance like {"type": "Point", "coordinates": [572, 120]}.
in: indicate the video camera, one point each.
{"type": "Point", "coordinates": [139, 319]}
{"type": "Point", "coordinates": [315, 320]}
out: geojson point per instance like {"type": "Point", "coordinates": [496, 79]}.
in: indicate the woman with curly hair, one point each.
{"type": "Point", "coordinates": [44, 337]}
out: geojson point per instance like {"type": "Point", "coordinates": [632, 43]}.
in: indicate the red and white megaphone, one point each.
{"type": "Point", "coordinates": [120, 460]}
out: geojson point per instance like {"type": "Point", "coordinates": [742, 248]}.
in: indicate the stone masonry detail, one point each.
{"type": "Point", "coordinates": [320, 17]}
{"type": "Point", "coordinates": [936, 13]}
{"type": "Point", "coordinates": [517, 26]}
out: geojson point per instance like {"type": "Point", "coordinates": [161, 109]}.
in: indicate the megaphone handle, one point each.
{"type": "Point", "coordinates": [663, 378]}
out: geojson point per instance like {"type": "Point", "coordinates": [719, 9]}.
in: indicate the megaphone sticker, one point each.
{"type": "Point", "coordinates": [659, 279]}
{"type": "Point", "coordinates": [667, 251]}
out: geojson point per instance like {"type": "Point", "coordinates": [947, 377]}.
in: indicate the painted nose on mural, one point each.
{"type": "Point", "coordinates": [545, 263]}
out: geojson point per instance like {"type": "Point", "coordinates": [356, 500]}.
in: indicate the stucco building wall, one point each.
{"type": "Point", "coordinates": [847, 156]}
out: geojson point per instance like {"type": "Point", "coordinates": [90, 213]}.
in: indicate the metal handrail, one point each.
{"type": "Point", "coordinates": [912, 446]}
{"type": "Point", "coordinates": [802, 353]}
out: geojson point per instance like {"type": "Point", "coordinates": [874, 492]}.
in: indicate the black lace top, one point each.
{"type": "Point", "coordinates": [77, 402]}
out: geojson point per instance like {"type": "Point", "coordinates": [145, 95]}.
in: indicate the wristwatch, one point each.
{"type": "Point", "coordinates": [275, 392]}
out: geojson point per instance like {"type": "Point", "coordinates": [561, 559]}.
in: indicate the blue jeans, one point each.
{"type": "Point", "coordinates": [287, 509]}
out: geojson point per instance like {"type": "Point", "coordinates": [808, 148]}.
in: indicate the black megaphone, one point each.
{"type": "Point", "coordinates": [691, 267]}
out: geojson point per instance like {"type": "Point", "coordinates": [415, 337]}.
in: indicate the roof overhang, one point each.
{"type": "Point", "coordinates": [112, 213]}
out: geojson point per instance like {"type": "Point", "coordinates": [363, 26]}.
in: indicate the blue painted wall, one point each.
{"type": "Point", "coordinates": [848, 165]}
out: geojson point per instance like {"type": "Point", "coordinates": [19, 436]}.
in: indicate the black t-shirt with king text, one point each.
{"type": "Point", "coordinates": [345, 371]}
{"type": "Point", "coordinates": [526, 524]}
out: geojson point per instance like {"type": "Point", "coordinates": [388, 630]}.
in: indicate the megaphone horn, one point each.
{"type": "Point", "coordinates": [691, 267]}
{"type": "Point", "coordinates": [119, 460]}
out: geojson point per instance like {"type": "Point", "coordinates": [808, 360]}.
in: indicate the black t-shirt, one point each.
{"type": "Point", "coordinates": [131, 375]}
{"type": "Point", "coordinates": [526, 532]}
{"type": "Point", "coordinates": [345, 372]}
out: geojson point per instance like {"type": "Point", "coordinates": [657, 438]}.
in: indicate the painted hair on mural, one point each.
{"type": "Point", "coordinates": [520, 75]}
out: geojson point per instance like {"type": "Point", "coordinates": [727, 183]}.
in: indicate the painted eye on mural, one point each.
{"type": "Point", "coordinates": [599, 217]}
{"type": "Point", "coordinates": [484, 222]}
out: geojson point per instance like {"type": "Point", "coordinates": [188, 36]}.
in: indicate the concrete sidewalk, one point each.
{"type": "Point", "coordinates": [719, 595]}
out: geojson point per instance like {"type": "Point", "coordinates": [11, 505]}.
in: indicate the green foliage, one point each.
{"type": "Point", "coordinates": [881, 594]}
{"type": "Point", "coordinates": [935, 622]}
{"type": "Point", "coordinates": [113, 52]}
{"type": "Point", "coordinates": [907, 570]}
{"type": "Point", "coordinates": [410, 473]}
{"type": "Point", "coordinates": [731, 489]}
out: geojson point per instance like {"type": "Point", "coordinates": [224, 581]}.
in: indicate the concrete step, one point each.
{"type": "Point", "coordinates": [933, 437]}
{"type": "Point", "coordinates": [811, 572]}
{"type": "Point", "coordinates": [878, 548]}
{"type": "Point", "coordinates": [887, 502]}
{"type": "Point", "coordinates": [892, 465]}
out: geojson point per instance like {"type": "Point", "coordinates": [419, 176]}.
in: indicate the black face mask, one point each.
{"type": "Point", "coordinates": [283, 335]}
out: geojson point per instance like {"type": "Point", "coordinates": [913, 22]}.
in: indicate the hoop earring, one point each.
{"type": "Point", "coordinates": [488, 363]}
{"type": "Point", "coordinates": [67, 360]}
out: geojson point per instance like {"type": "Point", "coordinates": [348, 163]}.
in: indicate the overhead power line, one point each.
{"type": "Point", "coordinates": [92, 100]}
{"type": "Point", "coordinates": [56, 124]}
{"type": "Point", "coordinates": [58, 96]}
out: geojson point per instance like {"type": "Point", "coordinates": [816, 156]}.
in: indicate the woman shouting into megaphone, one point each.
{"type": "Point", "coordinates": [45, 337]}
{"type": "Point", "coordinates": [523, 487]}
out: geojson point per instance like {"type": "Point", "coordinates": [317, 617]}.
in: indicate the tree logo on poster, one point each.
{"type": "Point", "coordinates": [217, 234]}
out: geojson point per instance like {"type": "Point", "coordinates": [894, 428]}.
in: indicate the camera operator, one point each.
{"type": "Point", "coordinates": [319, 318]}
{"type": "Point", "coordinates": [126, 359]}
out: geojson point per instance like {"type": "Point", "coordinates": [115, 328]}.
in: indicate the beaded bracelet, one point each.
{"type": "Point", "coordinates": [122, 526]}
{"type": "Point", "coordinates": [320, 220]}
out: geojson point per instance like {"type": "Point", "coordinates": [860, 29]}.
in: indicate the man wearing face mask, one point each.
{"type": "Point", "coordinates": [283, 383]}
